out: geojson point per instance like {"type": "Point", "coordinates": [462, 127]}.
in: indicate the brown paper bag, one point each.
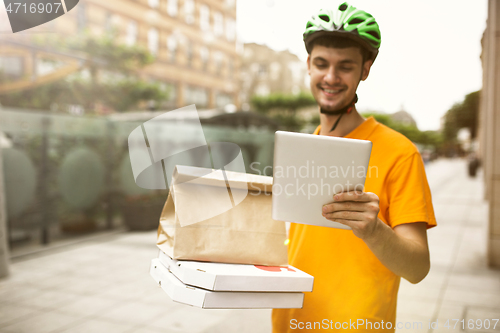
{"type": "Point", "coordinates": [217, 216]}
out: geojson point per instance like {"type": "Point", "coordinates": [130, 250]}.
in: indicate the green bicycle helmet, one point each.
{"type": "Point", "coordinates": [346, 21]}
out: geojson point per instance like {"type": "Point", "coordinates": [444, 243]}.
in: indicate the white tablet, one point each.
{"type": "Point", "coordinates": [309, 169]}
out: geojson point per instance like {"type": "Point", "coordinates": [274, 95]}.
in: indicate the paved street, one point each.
{"type": "Point", "coordinates": [103, 285]}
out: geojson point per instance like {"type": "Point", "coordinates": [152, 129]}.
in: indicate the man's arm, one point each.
{"type": "Point", "coordinates": [403, 250]}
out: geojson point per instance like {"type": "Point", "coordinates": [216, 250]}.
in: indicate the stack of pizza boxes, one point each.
{"type": "Point", "coordinates": [220, 247]}
{"type": "Point", "coordinates": [230, 286]}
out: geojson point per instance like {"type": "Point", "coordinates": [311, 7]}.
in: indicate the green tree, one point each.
{"type": "Point", "coordinates": [381, 118]}
{"type": "Point", "coordinates": [426, 138]}
{"type": "Point", "coordinates": [462, 115]}
{"type": "Point", "coordinates": [106, 52]}
{"type": "Point", "coordinates": [283, 108]}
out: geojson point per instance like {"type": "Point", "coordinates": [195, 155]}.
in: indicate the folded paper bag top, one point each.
{"type": "Point", "coordinates": [235, 180]}
{"type": "Point", "coordinates": [221, 216]}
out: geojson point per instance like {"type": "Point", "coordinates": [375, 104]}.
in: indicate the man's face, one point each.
{"type": "Point", "coordinates": [335, 75]}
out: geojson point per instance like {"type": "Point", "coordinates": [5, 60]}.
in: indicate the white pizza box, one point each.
{"type": "Point", "coordinates": [206, 299]}
{"type": "Point", "coordinates": [236, 277]}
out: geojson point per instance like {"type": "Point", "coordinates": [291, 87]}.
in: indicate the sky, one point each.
{"type": "Point", "coordinates": [429, 57]}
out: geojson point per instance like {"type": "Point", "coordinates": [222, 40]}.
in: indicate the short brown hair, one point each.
{"type": "Point", "coordinates": [340, 43]}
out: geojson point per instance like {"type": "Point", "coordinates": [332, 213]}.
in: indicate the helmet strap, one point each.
{"type": "Point", "coordinates": [346, 109]}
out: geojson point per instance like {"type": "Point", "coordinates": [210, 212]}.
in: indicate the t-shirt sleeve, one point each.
{"type": "Point", "coordinates": [409, 194]}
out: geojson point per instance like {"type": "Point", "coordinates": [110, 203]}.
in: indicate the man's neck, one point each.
{"type": "Point", "coordinates": [345, 126]}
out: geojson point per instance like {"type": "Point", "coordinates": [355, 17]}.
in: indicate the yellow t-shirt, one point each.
{"type": "Point", "coordinates": [350, 283]}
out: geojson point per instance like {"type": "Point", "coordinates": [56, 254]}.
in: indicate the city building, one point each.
{"type": "Point", "coordinates": [489, 127]}
{"type": "Point", "coordinates": [193, 41]}
{"type": "Point", "coordinates": [265, 71]}
{"type": "Point", "coordinates": [404, 118]}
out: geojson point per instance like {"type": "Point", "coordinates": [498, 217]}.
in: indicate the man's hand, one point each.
{"type": "Point", "coordinates": [403, 250]}
{"type": "Point", "coordinates": [357, 210]}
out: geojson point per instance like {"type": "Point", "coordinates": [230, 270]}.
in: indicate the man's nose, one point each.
{"type": "Point", "coordinates": [331, 76]}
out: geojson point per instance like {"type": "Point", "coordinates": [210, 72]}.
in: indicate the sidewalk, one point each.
{"type": "Point", "coordinates": [104, 286]}
{"type": "Point", "coordinates": [459, 285]}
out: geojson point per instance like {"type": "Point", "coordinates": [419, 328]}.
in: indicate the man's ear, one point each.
{"type": "Point", "coordinates": [309, 64]}
{"type": "Point", "coordinates": [366, 69]}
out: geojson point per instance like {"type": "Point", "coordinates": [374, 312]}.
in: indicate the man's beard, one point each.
{"type": "Point", "coordinates": [330, 112]}
{"type": "Point", "coordinates": [343, 109]}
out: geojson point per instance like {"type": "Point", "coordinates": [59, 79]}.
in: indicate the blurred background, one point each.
{"type": "Point", "coordinates": [72, 90]}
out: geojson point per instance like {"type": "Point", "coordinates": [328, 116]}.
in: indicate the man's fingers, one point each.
{"type": "Point", "coordinates": [355, 196]}
{"type": "Point", "coordinates": [350, 223]}
{"type": "Point", "coordinates": [341, 206]}
{"type": "Point", "coordinates": [345, 215]}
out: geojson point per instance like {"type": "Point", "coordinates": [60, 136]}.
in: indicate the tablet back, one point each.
{"type": "Point", "coordinates": [309, 169]}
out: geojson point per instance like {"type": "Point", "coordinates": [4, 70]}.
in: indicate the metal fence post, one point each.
{"type": "Point", "coordinates": [109, 173]}
{"type": "Point", "coordinates": [4, 248]}
{"type": "Point", "coordinates": [44, 173]}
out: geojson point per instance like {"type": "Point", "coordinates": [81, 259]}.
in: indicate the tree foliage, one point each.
{"type": "Point", "coordinates": [427, 138]}
{"type": "Point", "coordinates": [462, 115]}
{"type": "Point", "coordinates": [283, 108]}
{"type": "Point", "coordinates": [112, 81]}
{"type": "Point", "coordinates": [106, 52]}
{"type": "Point", "coordinates": [281, 101]}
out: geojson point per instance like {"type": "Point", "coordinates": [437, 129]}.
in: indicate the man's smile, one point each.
{"type": "Point", "coordinates": [331, 91]}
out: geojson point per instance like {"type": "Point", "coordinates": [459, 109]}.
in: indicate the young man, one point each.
{"type": "Point", "coordinates": [357, 273]}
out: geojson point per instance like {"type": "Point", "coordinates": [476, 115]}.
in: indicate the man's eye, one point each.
{"type": "Point", "coordinates": [321, 65]}
{"type": "Point", "coordinates": [346, 68]}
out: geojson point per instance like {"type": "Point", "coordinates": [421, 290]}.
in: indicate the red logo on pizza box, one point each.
{"type": "Point", "coordinates": [274, 268]}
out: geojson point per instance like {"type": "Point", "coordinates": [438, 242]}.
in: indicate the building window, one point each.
{"type": "Point", "coordinates": [172, 48]}
{"type": "Point", "coordinates": [171, 89]}
{"type": "Point", "coordinates": [153, 41]}
{"type": "Point", "coordinates": [81, 17]}
{"type": "Point", "coordinates": [230, 29]}
{"type": "Point", "coordinates": [11, 67]}
{"type": "Point", "coordinates": [221, 100]}
{"type": "Point", "coordinates": [189, 11]}
{"type": "Point", "coordinates": [275, 69]}
{"type": "Point", "coordinates": [154, 3]}
{"type": "Point", "coordinates": [189, 54]}
{"type": "Point", "coordinates": [204, 18]}
{"type": "Point", "coordinates": [172, 7]}
{"type": "Point", "coordinates": [218, 24]}
{"type": "Point", "coordinates": [262, 71]}
{"type": "Point", "coordinates": [108, 24]}
{"type": "Point", "coordinates": [195, 95]}
{"type": "Point", "coordinates": [298, 71]}
{"type": "Point", "coordinates": [131, 37]}
{"type": "Point", "coordinates": [218, 58]}
{"type": "Point", "coordinates": [204, 54]}
{"type": "Point", "coordinates": [262, 89]}
{"type": "Point", "coordinates": [230, 67]}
